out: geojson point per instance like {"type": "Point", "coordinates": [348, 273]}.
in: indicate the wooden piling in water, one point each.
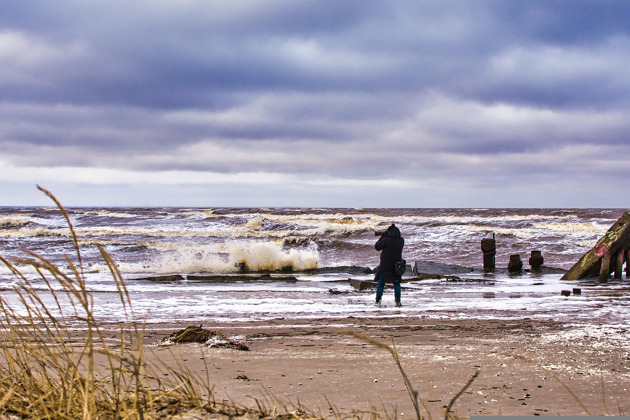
{"type": "Point", "coordinates": [604, 270]}
{"type": "Point", "coordinates": [536, 260]}
{"type": "Point", "coordinates": [489, 249]}
{"type": "Point", "coordinates": [619, 257]}
{"type": "Point", "coordinates": [515, 265]}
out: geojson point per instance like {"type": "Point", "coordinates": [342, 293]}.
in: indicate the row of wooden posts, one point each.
{"type": "Point", "coordinates": [515, 265]}
{"type": "Point", "coordinates": [622, 256]}
{"type": "Point", "coordinates": [608, 255]}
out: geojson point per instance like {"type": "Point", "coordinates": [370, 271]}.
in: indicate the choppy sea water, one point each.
{"type": "Point", "coordinates": [158, 241]}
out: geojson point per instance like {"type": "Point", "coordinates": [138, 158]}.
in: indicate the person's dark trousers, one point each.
{"type": "Point", "coordinates": [397, 291]}
{"type": "Point", "coordinates": [381, 287]}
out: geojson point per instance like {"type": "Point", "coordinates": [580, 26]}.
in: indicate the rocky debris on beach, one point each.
{"type": "Point", "coordinates": [338, 292]}
{"type": "Point", "coordinates": [200, 335]}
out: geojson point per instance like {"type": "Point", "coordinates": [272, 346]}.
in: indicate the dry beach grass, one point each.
{"type": "Point", "coordinates": [58, 365]}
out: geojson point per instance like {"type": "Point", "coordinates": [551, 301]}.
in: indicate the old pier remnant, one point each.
{"type": "Point", "coordinates": [515, 265]}
{"type": "Point", "coordinates": [489, 249]}
{"type": "Point", "coordinates": [611, 251]}
{"type": "Point", "coordinates": [536, 260]}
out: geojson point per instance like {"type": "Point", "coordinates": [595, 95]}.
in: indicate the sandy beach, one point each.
{"type": "Point", "coordinates": [526, 367]}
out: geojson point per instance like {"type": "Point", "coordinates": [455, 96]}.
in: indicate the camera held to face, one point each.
{"type": "Point", "coordinates": [380, 233]}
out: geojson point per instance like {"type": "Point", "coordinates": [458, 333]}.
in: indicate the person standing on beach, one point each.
{"type": "Point", "coordinates": [390, 244]}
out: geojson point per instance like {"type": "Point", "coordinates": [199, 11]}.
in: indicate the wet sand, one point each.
{"type": "Point", "coordinates": [526, 367]}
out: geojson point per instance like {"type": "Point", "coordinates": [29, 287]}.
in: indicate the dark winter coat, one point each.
{"type": "Point", "coordinates": [391, 245]}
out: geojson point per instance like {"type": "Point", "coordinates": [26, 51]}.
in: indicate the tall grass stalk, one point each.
{"type": "Point", "coordinates": [413, 394]}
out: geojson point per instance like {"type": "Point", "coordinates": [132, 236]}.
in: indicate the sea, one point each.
{"type": "Point", "coordinates": [321, 249]}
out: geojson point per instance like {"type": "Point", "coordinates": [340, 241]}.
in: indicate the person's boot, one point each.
{"type": "Point", "coordinates": [378, 302]}
{"type": "Point", "coordinates": [398, 304]}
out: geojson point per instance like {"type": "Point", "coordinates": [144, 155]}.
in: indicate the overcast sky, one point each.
{"type": "Point", "coordinates": [331, 103]}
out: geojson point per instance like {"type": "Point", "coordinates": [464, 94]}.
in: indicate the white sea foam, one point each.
{"type": "Point", "coordinates": [255, 222]}
{"type": "Point", "coordinates": [315, 219]}
{"type": "Point", "coordinates": [202, 213]}
{"type": "Point", "coordinates": [16, 219]}
{"type": "Point", "coordinates": [612, 337]}
{"type": "Point", "coordinates": [459, 219]}
{"type": "Point", "coordinates": [538, 229]}
{"type": "Point", "coordinates": [28, 232]}
{"type": "Point", "coordinates": [270, 256]}
{"type": "Point", "coordinates": [106, 213]}
{"type": "Point", "coordinates": [517, 232]}
{"type": "Point", "coordinates": [568, 228]}
{"type": "Point", "coordinates": [338, 223]}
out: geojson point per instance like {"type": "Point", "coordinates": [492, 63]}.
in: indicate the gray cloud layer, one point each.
{"type": "Point", "coordinates": [336, 103]}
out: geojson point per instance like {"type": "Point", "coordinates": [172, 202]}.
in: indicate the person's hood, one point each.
{"type": "Point", "coordinates": [393, 231]}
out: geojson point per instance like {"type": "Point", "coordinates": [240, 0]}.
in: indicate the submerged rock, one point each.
{"type": "Point", "coordinates": [346, 269]}
{"type": "Point", "coordinates": [164, 278]}
{"type": "Point", "coordinates": [436, 268]}
{"type": "Point", "coordinates": [362, 284]}
{"type": "Point", "coordinates": [232, 278]}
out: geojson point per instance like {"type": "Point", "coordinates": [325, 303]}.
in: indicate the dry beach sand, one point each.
{"type": "Point", "coordinates": [526, 367]}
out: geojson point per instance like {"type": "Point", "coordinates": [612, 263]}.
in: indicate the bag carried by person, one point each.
{"type": "Point", "coordinates": [400, 267]}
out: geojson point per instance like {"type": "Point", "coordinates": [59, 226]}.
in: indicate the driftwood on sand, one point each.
{"type": "Point", "coordinates": [202, 336]}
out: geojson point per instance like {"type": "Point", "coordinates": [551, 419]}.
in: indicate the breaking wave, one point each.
{"type": "Point", "coordinates": [223, 258]}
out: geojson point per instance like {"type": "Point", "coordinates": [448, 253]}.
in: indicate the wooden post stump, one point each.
{"type": "Point", "coordinates": [536, 260]}
{"type": "Point", "coordinates": [515, 265]}
{"type": "Point", "coordinates": [242, 267]}
{"type": "Point", "coordinates": [619, 263]}
{"type": "Point", "coordinates": [604, 271]}
{"type": "Point", "coordinates": [489, 249]}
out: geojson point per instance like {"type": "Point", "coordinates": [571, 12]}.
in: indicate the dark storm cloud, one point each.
{"type": "Point", "coordinates": [157, 55]}
{"type": "Point", "coordinates": [450, 93]}
{"type": "Point", "coordinates": [564, 21]}
{"type": "Point", "coordinates": [161, 55]}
